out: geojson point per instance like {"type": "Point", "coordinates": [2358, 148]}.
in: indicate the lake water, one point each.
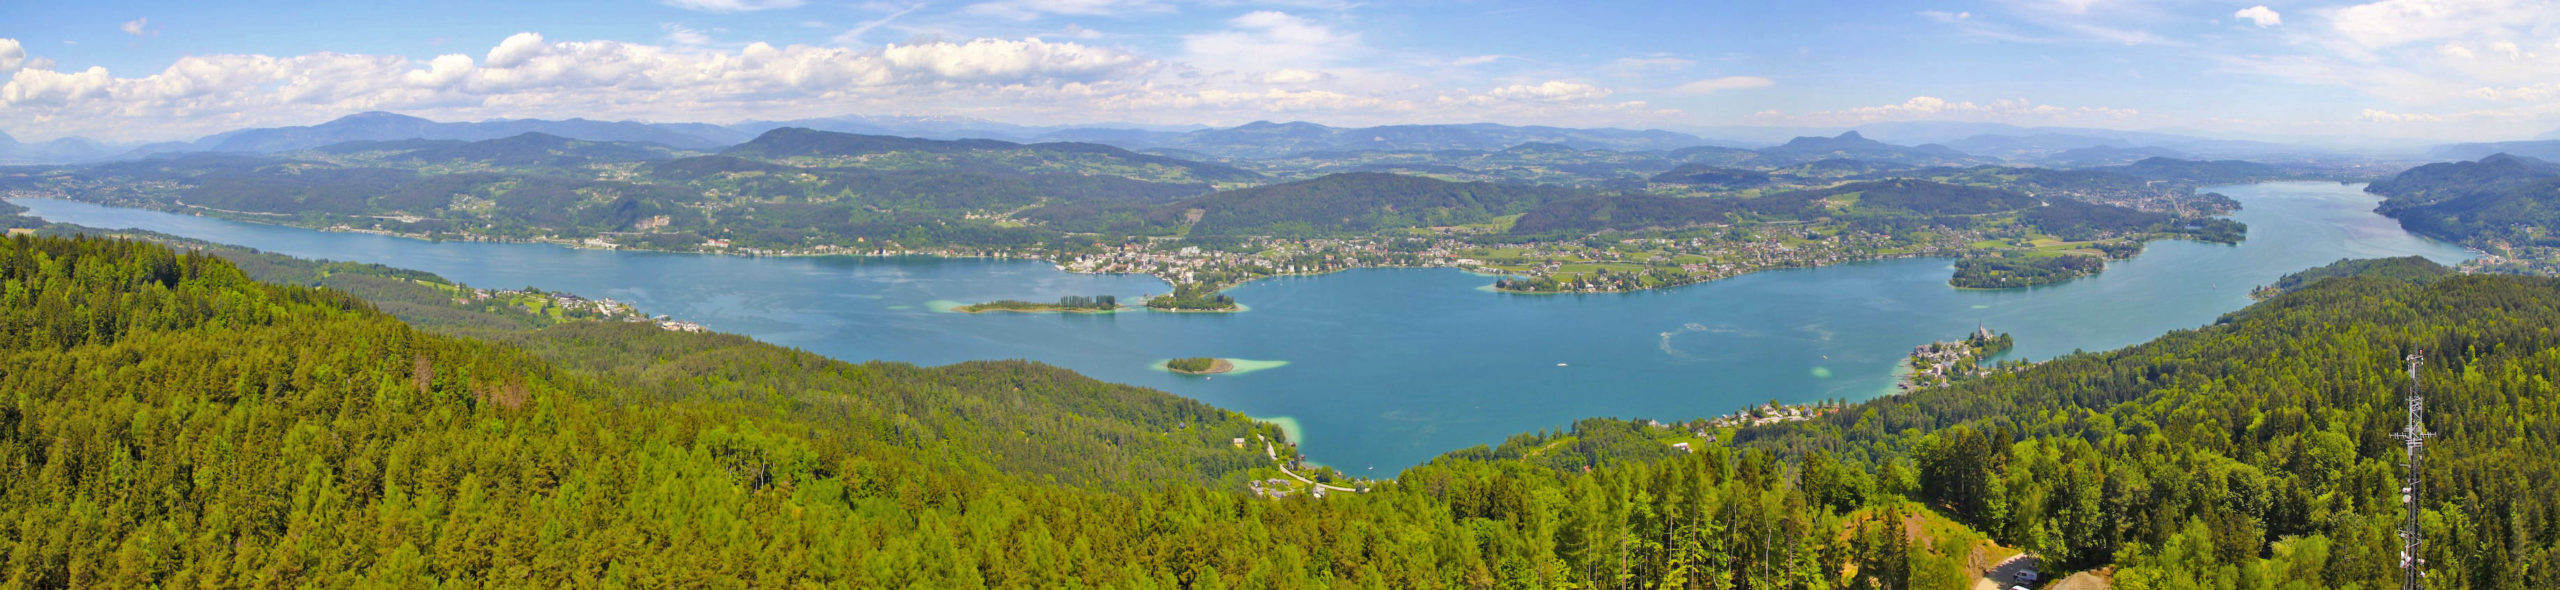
{"type": "Point", "coordinates": [1388, 367]}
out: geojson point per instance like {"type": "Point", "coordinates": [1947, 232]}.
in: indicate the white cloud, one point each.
{"type": "Point", "coordinates": [12, 55]}
{"type": "Point", "coordinates": [732, 5]}
{"type": "Point", "coordinates": [2531, 92]}
{"type": "Point", "coordinates": [2380, 116]}
{"type": "Point", "coordinates": [527, 75]}
{"type": "Point", "coordinates": [2265, 17]}
{"type": "Point", "coordinates": [1293, 76]}
{"type": "Point", "coordinates": [50, 88]}
{"type": "Point", "coordinates": [1946, 17]}
{"type": "Point", "coordinates": [1712, 85]}
{"type": "Point", "coordinates": [1930, 108]}
{"type": "Point", "coordinates": [1476, 60]}
{"type": "Point", "coordinates": [1268, 40]}
{"type": "Point", "coordinates": [1000, 60]}
{"type": "Point", "coordinates": [2398, 22]}
{"type": "Point", "coordinates": [442, 72]}
{"type": "Point", "coordinates": [517, 49]}
{"type": "Point", "coordinates": [140, 27]}
{"type": "Point", "coordinates": [1551, 91]}
{"type": "Point", "coordinates": [683, 35]}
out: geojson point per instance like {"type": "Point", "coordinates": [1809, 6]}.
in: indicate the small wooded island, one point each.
{"type": "Point", "coordinates": [2007, 272]}
{"type": "Point", "coordinates": [1067, 304]}
{"type": "Point", "coordinates": [1199, 365]}
{"type": "Point", "coordinates": [1193, 297]}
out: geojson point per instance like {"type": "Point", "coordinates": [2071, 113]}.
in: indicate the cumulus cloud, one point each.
{"type": "Point", "coordinates": [12, 55]}
{"type": "Point", "coordinates": [2265, 17]}
{"type": "Point", "coordinates": [732, 5]}
{"type": "Point", "coordinates": [50, 88]}
{"type": "Point", "coordinates": [140, 27]}
{"type": "Point", "coordinates": [1930, 108]}
{"type": "Point", "coordinates": [1269, 40]}
{"type": "Point", "coordinates": [1713, 85]}
{"type": "Point", "coordinates": [2381, 116]}
{"type": "Point", "coordinates": [999, 60]}
{"type": "Point", "coordinates": [529, 75]}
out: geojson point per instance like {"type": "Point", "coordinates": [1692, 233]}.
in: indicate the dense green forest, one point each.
{"type": "Point", "coordinates": [2199, 171]}
{"type": "Point", "coordinates": [2506, 198]}
{"type": "Point", "coordinates": [174, 423]}
{"type": "Point", "coordinates": [1193, 297]}
{"type": "Point", "coordinates": [1882, 204]}
{"type": "Point", "coordinates": [1191, 364]}
{"type": "Point", "coordinates": [1347, 204]}
{"type": "Point", "coordinates": [2008, 272]}
{"type": "Point", "coordinates": [2488, 178]}
{"type": "Point", "coordinates": [2408, 269]}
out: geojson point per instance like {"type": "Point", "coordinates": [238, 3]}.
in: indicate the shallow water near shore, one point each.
{"type": "Point", "coordinates": [1388, 367]}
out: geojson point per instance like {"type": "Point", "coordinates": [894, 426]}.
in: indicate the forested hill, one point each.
{"type": "Point", "coordinates": [1341, 204]}
{"type": "Point", "coordinates": [175, 424]}
{"type": "Point", "coordinates": [2256, 451]}
{"type": "Point", "coordinates": [2501, 197]}
{"type": "Point", "coordinates": [2444, 181]}
{"type": "Point", "coordinates": [809, 146]}
{"type": "Point", "coordinates": [1851, 145]}
{"type": "Point", "coordinates": [2198, 171]}
{"type": "Point", "coordinates": [2411, 269]}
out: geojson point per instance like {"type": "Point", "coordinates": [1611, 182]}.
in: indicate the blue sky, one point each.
{"type": "Point", "coordinates": [2414, 69]}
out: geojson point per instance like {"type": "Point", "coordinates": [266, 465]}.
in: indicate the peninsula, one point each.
{"type": "Point", "coordinates": [1938, 364]}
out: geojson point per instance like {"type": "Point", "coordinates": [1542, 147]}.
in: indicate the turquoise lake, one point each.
{"type": "Point", "coordinates": [1388, 367]}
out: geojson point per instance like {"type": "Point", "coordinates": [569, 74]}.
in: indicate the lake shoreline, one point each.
{"type": "Point", "coordinates": [594, 244]}
{"type": "Point", "coordinates": [1398, 367]}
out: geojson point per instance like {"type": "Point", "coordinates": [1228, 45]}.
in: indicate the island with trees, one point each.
{"type": "Point", "coordinates": [2010, 272]}
{"type": "Point", "coordinates": [1193, 297]}
{"type": "Point", "coordinates": [1199, 365]}
{"type": "Point", "coordinates": [1067, 304]}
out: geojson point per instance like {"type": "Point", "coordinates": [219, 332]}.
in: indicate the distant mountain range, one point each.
{"type": "Point", "coordinates": [1263, 139]}
{"type": "Point", "coordinates": [2547, 149]}
{"type": "Point", "coordinates": [68, 149]}
{"type": "Point", "coordinates": [1852, 146]}
{"type": "Point", "coordinates": [1914, 143]}
{"type": "Point", "coordinates": [378, 126]}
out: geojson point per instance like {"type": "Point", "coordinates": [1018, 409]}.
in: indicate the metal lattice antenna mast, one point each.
{"type": "Point", "coordinates": [2414, 435]}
